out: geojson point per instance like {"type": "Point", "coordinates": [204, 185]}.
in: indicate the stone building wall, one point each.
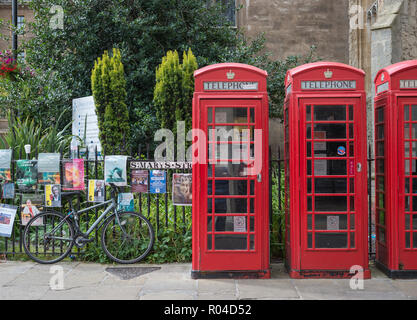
{"type": "Point", "coordinates": [291, 27]}
{"type": "Point", "coordinates": [387, 35]}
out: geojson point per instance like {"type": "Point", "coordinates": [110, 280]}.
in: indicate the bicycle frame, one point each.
{"type": "Point", "coordinates": [101, 218]}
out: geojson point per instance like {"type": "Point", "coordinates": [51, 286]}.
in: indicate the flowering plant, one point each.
{"type": "Point", "coordinates": [8, 64]}
{"type": "Point", "coordinates": [11, 69]}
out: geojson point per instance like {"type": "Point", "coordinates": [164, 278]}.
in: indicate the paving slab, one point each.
{"type": "Point", "coordinates": [94, 293]}
{"type": "Point", "coordinates": [219, 286]}
{"type": "Point", "coordinates": [407, 287]}
{"type": "Point", "coordinates": [266, 289]}
{"type": "Point", "coordinates": [85, 281]}
{"type": "Point", "coordinates": [318, 289]}
{"type": "Point", "coordinates": [30, 292]}
{"type": "Point", "coordinates": [168, 295]}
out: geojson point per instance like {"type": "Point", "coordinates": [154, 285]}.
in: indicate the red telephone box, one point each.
{"type": "Point", "coordinates": [230, 176]}
{"type": "Point", "coordinates": [395, 169]}
{"type": "Point", "coordinates": [325, 171]}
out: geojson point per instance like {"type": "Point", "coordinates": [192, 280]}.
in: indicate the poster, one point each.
{"type": "Point", "coordinates": [239, 224]}
{"type": "Point", "coordinates": [139, 181]}
{"type": "Point", "coordinates": [7, 217]}
{"type": "Point", "coordinates": [182, 189]}
{"type": "Point", "coordinates": [48, 168]}
{"type": "Point", "coordinates": [115, 170]}
{"type": "Point", "coordinates": [31, 205]}
{"type": "Point", "coordinates": [52, 195]}
{"type": "Point", "coordinates": [96, 191]}
{"type": "Point", "coordinates": [8, 190]}
{"type": "Point", "coordinates": [333, 223]}
{"type": "Point", "coordinates": [157, 181]}
{"type": "Point", "coordinates": [5, 161]}
{"type": "Point", "coordinates": [84, 113]}
{"type": "Point", "coordinates": [73, 171]}
{"type": "Point", "coordinates": [26, 174]}
{"type": "Point", "coordinates": [125, 202]}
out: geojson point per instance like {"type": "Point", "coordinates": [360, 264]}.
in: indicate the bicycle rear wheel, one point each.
{"type": "Point", "coordinates": [127, 242]}
{"type": "Point", "coordinates": [48, 237]}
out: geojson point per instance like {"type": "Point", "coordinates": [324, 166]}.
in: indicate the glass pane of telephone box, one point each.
{"type": "Point", "coordinates": [229, 224]}
{"type": "Point", "coordinates": [331, 240]}
{"type": "Point", "coordinates": [231, 205]}
{"type": "Point", "coordinates": [329, 149]}
{"type": "Point", "coordinates": [333, 203]}
{"type": "Point", "coordinates": [330, 222]}
{"type": "Point", "coordinates": [329, 113]}
{"type": "Point", "coordinates": [231, 242]}
{"type": "Point", "coordinates": [231, 115]}
{"type": "Point", "coordinates": [328, 185]}
{"type": "Point", "coordinates": [329, 131]}
{"type": "Point", "coordinates": [231, 187]}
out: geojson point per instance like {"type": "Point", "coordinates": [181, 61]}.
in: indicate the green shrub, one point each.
{"type": "Point", "coordinates": [108, 85]}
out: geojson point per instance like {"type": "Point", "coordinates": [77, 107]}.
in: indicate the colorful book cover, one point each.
{"type": "Point", "coordinates": [5, 164]}
{"type": "Point", "coordinates": [125, 202]}
{"type": "Point", "coordinates": [139, 181]}
{"type": "Point", "coordinates": [96, 190]}
{"type": "Point", "coordinates": [52, 195]}
{"type": "Point", "coordinates": [8, 190]}
{"type": "Point", "coordinates": [26, 174]}
{"type": "Point", "coordinates": [157, 181]}
{"type": "Point", "coordinates": [115, 170]}
{"type": "Point", "coordinates": [73, 174]}
{"type": "Point", "coordinates": [48, 168]}
{"type": "Point", "coordinates": [31, 205]}
{"type": "Point", "coordinates": [182, 189]}
{"type": "Point", "coordinates": [7, 217]}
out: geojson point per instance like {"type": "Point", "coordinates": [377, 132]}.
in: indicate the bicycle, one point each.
{"type": "Point", "coordinates": [126, 236]}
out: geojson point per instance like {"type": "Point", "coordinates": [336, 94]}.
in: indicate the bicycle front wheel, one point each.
{"type": "Point", "coordinates": [48, 237]}
{"type": "Point", "coordinates": [129, 241]}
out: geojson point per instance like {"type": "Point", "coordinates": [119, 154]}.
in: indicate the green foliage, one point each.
{"type": "Point", "coordinates": [41, 95]}
{"type": "Point", "coordinates": [174, 90]}
{"type": "Point", "coordinates": [109, 90]}
{"type": "Point", "coordinates": [277, 235]}
{"type": "Point", "coordinates": [172, 246]}
{"type": "Point", "coordinates": [189, 65]}
{"type": "Point", "coordinates": [168, 92]}
{"type": "Point", "coordinates": [143, 30]}
{"type": "Point", "coordinates": [26, 131]}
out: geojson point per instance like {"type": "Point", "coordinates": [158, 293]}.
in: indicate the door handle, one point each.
{"type": "Point", "coordinates": [359, 167]}
{"type": "Point", "coordinates": [259, 177]}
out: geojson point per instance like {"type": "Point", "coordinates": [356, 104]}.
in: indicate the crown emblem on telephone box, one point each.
{"type": "Point", "coordinates": [328, 74]}
{"type": "Point", "coordinates": [230, 75]}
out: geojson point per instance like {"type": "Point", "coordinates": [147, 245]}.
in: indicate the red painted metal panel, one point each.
{"type": "Point", "coordinates": [326, 200]}
{"type": "Point", "coordinates": [231, 208]}
{"type": "Point", "coordinates": [397, 244]}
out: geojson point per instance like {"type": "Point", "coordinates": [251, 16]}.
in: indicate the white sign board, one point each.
{"type": "Point", "coordinates": [81, 108]}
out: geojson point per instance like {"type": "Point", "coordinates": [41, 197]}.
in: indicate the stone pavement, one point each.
{"type": "Point", "coordinates": [84, 281]}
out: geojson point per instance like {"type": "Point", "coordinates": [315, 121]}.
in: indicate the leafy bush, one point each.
{"type": "Point", "coordinates": [26, 131]}
{"type": "Point", "coordinates": [277, 237]}
{"type": "Point", "coordinates": [108, 85]}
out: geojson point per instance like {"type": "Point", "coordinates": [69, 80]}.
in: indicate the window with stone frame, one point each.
{"type": "Point", "coordinates": [229, 9]}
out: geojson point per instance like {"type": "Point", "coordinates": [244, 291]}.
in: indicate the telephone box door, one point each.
{"type": "Point", "coordinates": [231, 211]}
{"type": "Point", "coordinates": [333, 183]}
{"type": "Point", "coordinates": [407, 124]}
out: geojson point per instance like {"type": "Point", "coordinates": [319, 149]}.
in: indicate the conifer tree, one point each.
{"type": "Point", "coordinates": [109, 91]}
{"type": "Point", "coordinates": [174, 90]}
